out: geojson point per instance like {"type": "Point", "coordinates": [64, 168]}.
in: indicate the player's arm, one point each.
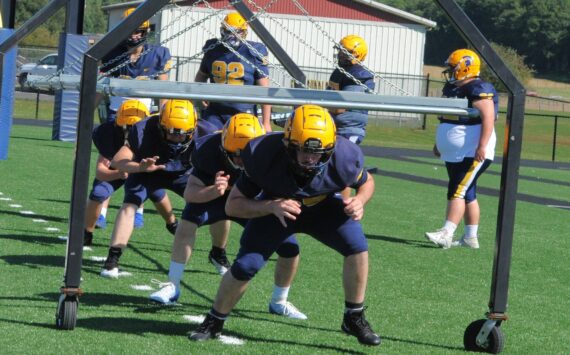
{"type": "Point", "coordinates": [265, 109]}
{"type": "Point", "coordinates": [104, 173]}
{"type": "Point", "coordinates": [123, 161]}
{"type": "Point", "coordinates": [486, 107]}
{"type": "Point", "coordinates": [354, 206]}
{"type": "Point", "coordinates": [239, 205]}
{"type": "Point", "coordinates": [197, 192]}
{"type": "Point", "coordinates": [201, 77]}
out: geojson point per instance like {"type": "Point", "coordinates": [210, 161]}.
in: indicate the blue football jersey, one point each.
{"type": "Point", "coordinates": [267, 169]}
{"type": "Point", "coordinates": [157, 61]}
{"type": "Point", "coordinates": [474, 90]}
{"type": "Point", "coordinates": [208, 158]}
{"type": "Point", "coordinates": [224, 67]}
{"type": "Point", "coordinates": [108, 139]}
{"type": "Point", "coordinates": [351, 121]}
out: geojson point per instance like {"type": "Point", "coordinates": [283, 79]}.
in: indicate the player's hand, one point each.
{"type": "Point", "coordinates": [205, 104]}
{"type": "Point", "coordinates": [221, 183]}
{"type": "Point", "coordinates": [123, 175]}
{"type": "Point", "coordinates": [354, 208]}
{"type": "Point", "coordinates": [480, 154]}
{"type": "Point", "coordinates": [436, 151]}
{"type": "Point", "coordinates": [289, 209]}
{"type": "Point", "coordinates": [148, 165]}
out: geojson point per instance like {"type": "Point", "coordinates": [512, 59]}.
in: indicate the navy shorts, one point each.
{"type": "Point", "coordinates": [140, 186]}
{"type": "Point", "coordinates": [463, 178]}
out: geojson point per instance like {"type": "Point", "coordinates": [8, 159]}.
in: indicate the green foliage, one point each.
{"type": "Point", "coordinates": [514, 61]}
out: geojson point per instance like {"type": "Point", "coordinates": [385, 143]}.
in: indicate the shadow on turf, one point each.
{"type": "Point", "coordinates": [414, 243]}
{"type": "Point", "coordinates": [34, 261]}
{"type": "Point", "coordinates": [34, 239]}
{"type": "Point", "coordinates": [38, 216]}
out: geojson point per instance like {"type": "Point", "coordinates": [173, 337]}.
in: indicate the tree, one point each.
{"type": "Point", "coordinates": [514, 61]}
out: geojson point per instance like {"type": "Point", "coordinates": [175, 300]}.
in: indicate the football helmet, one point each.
{"type": "Point", "coordinates": [311, 129]}
{"type": "Point", "coordinates": [354, 45]}
{"type": "Point", "coordinates": [178, 117]}
{"type": "Point", "coordinates": [462, 64]}
{"type": "Point", "coordinates": [131, 112]}
{"type": "Point", "coordinates": [144, 28]}
{"type": "Point", "coordinates": [233, 29]}
{"type": "Point", "coordinates": [237, 132]}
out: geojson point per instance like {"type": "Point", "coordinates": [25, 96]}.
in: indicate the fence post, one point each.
{"type": "Point", "coordinates": [37, 104]}
{"type": "Point", "coordinates": [554, 138]}
{"type": "Point", "coordinates": [427, 94]}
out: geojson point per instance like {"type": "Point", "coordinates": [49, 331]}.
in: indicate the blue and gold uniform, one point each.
{"type": "Point", "coordinates": [109, 138]}
{"type": "Point", "coordinates": [474, 90]}
{"type": "Point", "coordinates": [208, 159]}
{"type": "Point", "coordinates": [222, 66]}
{"type": "Point", "coordinates": [146, 139]}
{"type": "Point", "coordinates": [268, 171]}
{"type": "Point", "coordinates": [352, 123]}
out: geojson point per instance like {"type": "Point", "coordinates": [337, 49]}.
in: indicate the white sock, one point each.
{"type": "Point", "coordinates": [175, 272]}
{"type": "Point", "coordinates": [471, 230]}
{"type": "Point", "coordinates": [140, 210]}
{"type": "Point", "coordinates": [104, 212]}
{"type": "Point", "coordinates": [280, 294]}
{"type": "Point", "coordinates": [450, 227]}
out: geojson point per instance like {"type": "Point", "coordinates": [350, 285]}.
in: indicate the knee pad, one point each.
{"type": "Point", "coordinates": [101, 191]}
{"type": "Point", "coordinates": [288, 250]}
{"type": "Point", "coordinates": [245, 267]}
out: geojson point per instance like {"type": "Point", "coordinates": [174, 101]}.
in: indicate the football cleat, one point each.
{"type": "Point", "coordinates": [220, 262]}
{"type": "Point", "coordinates": [167, 295]}
{"type": "Point", "coordinates": [472, 242]}
{"type": "Point", "coordinates": [171, 227]}
{"type": "Point", "coordinates": [101, 222]}
{"type": "Point", "coordinates": [286, 309]}
{"type": "Point", "coordinates": [139, 220]}
{"type": "Point", "coordinates": [355, 324]}
{"type": "Point", "coordinates": [211, 328]}
{"type": "Point", "coordinates": [440, 237]}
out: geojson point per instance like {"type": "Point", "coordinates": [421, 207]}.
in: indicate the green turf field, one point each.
{"type": "Point", "coordinates": [420, 298]}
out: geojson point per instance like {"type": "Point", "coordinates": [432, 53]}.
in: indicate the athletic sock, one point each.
{"type": "Point", "coordinates": [280, 294]}
{"type": "Point", "coordinates": [175, 272]}
{"type": "Point", "coordinates": [140, 210]}
{"type": "Point", "coordinates": [450, 227]}
{"type": "Point", "coordinates": [471, 230]}
{"type": "Point", "coordinates": [218, 315]}
{"type": "Point", "coordinates": [350, 307]}
{"type": "Point", "coordinates": [104, 212]}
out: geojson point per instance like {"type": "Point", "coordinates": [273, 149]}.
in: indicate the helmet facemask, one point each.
{"type": "Point", "coordinates": [309, 167]}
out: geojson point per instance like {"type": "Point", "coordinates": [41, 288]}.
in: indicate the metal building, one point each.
{"type": "Point", "coordinates": [306, 30]}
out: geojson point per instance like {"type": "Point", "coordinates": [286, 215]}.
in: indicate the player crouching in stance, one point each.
{"type": "Point", "coordinates": [157, 157]}
{"type": "Point", "coordinates": [298, 173]}
{"type": "Point", "coordinates": [109, 137]}
{"type": "Point", "coordinates": [216, 165]}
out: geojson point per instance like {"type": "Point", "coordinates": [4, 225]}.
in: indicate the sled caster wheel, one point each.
{"type": "Point", "coordinates": [66, 316]}
{"type": "Point", "coordinates": [494, 343]}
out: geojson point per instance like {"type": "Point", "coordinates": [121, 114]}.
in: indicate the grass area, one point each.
{"type": "Point", "coordinates": [420, 298]}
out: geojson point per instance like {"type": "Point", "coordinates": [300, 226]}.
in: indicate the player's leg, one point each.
{"type": "Point", "coordinates": [101, 222]}
{"type": "Point", "coordinates": [219, 232]}
{"type": "Point", "coordinates": [164, 208]}
{"type": "Point", "coordinates": [100, 193]}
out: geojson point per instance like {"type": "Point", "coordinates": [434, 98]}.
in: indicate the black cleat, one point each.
{"type": "Point", "coordinates": [87, 239]}
{"type": "Point", "coordinates": [355, 324]}
{"type": "Point", "coordinates": [219, 260]}
{"type": "Point", "coordinates": [211, 328]}
{"type": "Point", "coordinates": [172, 227]}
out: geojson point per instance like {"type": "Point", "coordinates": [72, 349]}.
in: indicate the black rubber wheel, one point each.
{"type": "Point", "coordinates": [66, 317]}
{"type": "Point", "coordinates": [495, 341]}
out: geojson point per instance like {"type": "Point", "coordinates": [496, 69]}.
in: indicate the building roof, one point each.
{"type": "Point", "coordinates": [394, 12]}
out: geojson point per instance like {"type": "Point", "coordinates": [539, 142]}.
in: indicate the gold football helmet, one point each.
{"type": "Point", "coordinates": [462, 64]}
{"type": "Point", "coordinates": [311, 129]}
{"type": "Point", "coordinates": [131, 112]}
{"type": "Point", "coordinates": [238, 131]}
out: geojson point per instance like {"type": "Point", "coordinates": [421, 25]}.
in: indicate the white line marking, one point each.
{"type": "Point", "coordinates": [1, 193]}
{"type": "Point", "coordinates": [142, 287]}
{"type": "Point", "coordinates": [231, 340]}
{"type": "Point", "coordinates": [559, 206]}
{"type": "Point", "coordinates": [194, 319]}
{"type": "Point", "coordinates": [124, 273]}
{"type": "Point", "coordinates": [87, 249]}
{"type": "Point", "coordinates": [98, 258]}
{"type": "Point", "coordinates": [27, 212]}
{"type": "Point", "coordinates": [39, 220]}
{"type": "Point", "coordinates": [15, 206]}
{"type": "Point", "coordinates": [52, 229]}
{"type": "Point", "coordinates": [5, 199]}
{"type": "Point", "coordinates": [62, 237]}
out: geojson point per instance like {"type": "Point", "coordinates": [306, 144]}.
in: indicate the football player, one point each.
{"type": "Point", "coordinates": [109, 137]}
{"type": "Point", "coordinates": [466, 145]}
{"type": "Point", "coordinates": [216, 165]}
{"type": "Point", "coordinates": [145, 62]}
{"type": "Point", "coordinates": [298, 173]}
{"type": "Point", "coordinates": [157, 157]}
{"type": "Point", "coordinates": [351, 124]}
{"type": "Point", "coordinates": [222, 66]}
